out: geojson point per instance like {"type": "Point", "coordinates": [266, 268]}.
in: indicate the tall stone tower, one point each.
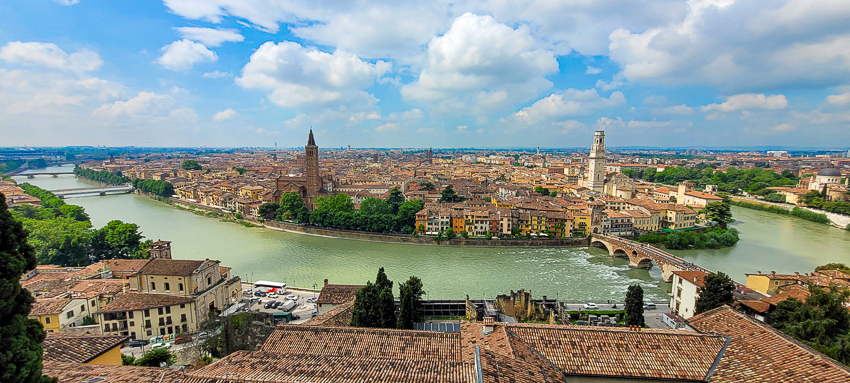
{"type": "Point", "coordinates": [311, 152]}
{"type": "Point", "coordinates": [430, 156]}
{"type": "Point", "coordinates": [596, 163]}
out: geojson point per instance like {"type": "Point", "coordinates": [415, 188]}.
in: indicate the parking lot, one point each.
{"type": "Point", "coordinates": [304, 299]}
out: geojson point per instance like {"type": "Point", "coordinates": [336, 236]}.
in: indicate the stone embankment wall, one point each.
{"type": "Point", "coordinates": [836, 220]}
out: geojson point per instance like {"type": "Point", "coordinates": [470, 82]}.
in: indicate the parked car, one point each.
{"type": "Point", "coordinates": [314, 313]}
{"type": "Point", "coordinates": [291, 297]}
{"type": "Point", "coordinates": [591, 306]}
{"type": "Point", "coordinates": [268, 305]}
{"type": "Point", "coordinates": [183, 339]}
{"type": "Point", "coordinates": [296, 317]}
{"type": "Point", "coordinates": [271, 295]}
{"type": "Point", "coordinates": [649, 306]}
{"type": "Point", "coordinates": [161, 345]}
{"type": "Point", "coordinates": [259, 294]}
{"type": "Point", "coordinates": [203, 335]}
{"type": "Point", "coordinates": [311, 300]}
{"type": "Point", "coordinates": [137, 343]}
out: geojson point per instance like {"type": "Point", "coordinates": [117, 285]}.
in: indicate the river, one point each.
{"type": "Point", "coordinates": [768, 242]}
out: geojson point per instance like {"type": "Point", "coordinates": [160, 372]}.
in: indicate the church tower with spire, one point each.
{"type": "Point", "coordinates": [314, 183]}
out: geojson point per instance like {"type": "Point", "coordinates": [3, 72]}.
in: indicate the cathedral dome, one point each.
{"type": "Point", "coordinates": [829, 172]}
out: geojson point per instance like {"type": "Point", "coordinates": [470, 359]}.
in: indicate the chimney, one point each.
{"type": "Point", "coordinates": [488, 326]}
{"type": "Point", "coordinates": [326, 281]}
{"type": "Point", "coordinates": [759, 272]}
{"type": "Point", "coordinates": [695, 278]}
{"type": "Point", "coordinates": [772, 273]}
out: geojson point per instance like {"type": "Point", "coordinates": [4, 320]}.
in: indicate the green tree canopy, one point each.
{"type": "Point", "coordinates": [340, 203]}
{"type": "Point", "coordinates": [395, 200]}
{"type": "Point", "coordinates": [410, 303]}
{"type": "Point", "coordinates": [156, 357]}
{"type": "Point", "coordinates": [374, 305]}
{"type": "Point", "coordinates": [20, 337]}
{"type": "Point", "coordinates": [634, 306]}
{"type": "Point", "coordinates": [717, 292]}
{"type": "Point", "coordinates": [719, 212]}
{"type": "Point", "coordinates": [191, 165]}
{"type": "Point", "coordinates": [427, 186]}
{"type": "Point", "coordinates": [291, 204]}
{"type": "Point", "coordinates": [448, 195]}
{"type": "Point", "coordinates": [268, 210]}
{"type": "Point", "coordinates": [822, 321]}
{"type": "Point", "coordinates": [373, 206]}
{"type": "Point", "coordinates": [117, 240]}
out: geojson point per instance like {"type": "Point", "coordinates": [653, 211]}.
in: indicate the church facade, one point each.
{"type": "Point", "coordinates": [308, 185]}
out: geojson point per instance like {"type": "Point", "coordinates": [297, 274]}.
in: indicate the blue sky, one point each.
{"type": "Point", "coordinates": [472, 73]}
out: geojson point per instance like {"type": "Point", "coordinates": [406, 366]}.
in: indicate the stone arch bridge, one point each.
{"type": "Point", "coordinates": [643, 256]}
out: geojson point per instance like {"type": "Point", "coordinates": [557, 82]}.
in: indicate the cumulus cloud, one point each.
{"type": "Point", "coordinates": [67, 3]}
{"type": "Point", "coordinates": [299, 75]}
{"type": "Point", "coordinates": [678, 110]}
{"type": "Point", "coordinates": [183, 54]}
{"type": "Point", "coordinates": [210, 37]}
{"type": "Point", "coordinates": [839, 99]}
{"type": "Point", "coordinates": [606, 122]}
{"type": "Point", "coordinates": [50, 56]}
{"type": "Point", "coordinates": [570, 102]}
{"type": "Point", "coordinates": [217, 74]}
{"type": "Point", "coordinates": [593, 70]}
{"type": "Point", "coordinates": [386, 127]}
{"type": "Point", "coordinates": [25, 92]}
{"type": "Point", "coordinates": [225, 115]}
{"type": "Point", "coordinates": [461, 128]}
{"type": "Point", "coordinates": [648, 124]}
{"type": "Point", "coordinates": [749, 101]}
{"type": "Point", "coordinates": [789, 43]}
{"type": "Point", "coordinates": [483, 64]}
{"type": "Point", "coordinates": [783, 127]}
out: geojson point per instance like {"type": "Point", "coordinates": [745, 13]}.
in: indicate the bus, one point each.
{"type": "Point", "coordinates": [268, 287]}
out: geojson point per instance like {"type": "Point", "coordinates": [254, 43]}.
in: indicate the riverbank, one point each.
{"type": "Point", "coordinates": [809, 214]}
{"type": "Point", "coordinates": [379, 237]}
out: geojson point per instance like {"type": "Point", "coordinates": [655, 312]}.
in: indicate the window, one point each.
{"type": "Point", "coordinates": [168, 310]}
{"type": "Point", "coordinates": [148, 324]}
{"type": "Point", "coordinates": [149, 333]}
{"type": "Point", "coordinates": [180, 286]}
{"type": "Point", "coordinates": [182, 318]}
{"type": "Point", "coordinates": [167, 286]}
{"type": "Point", "coordinates": [162, 331]}
{"type": "Point", "coordinates": [153, 286]}
{"type": "Point", "coordinates": [182, 305]}
{"type": "Point", "coordinates": [159, 310]}
{"type": "Point", "coordinates": [209, 280]}
{"type": "Point", "coordinates": [82, 308]}
{"type": "Point", "coordinates": [47, 320]}
{"type": "Point", "coordinates": [130, 314]}
{"type": "Point", "coordinates": [162, 321]}
{"type": "Point", "coordinates": [93, 303]}
{"type": "Point", "coordinates": [70, 313]}
{"type": "Point", "coordinates": [132, 323]}
{"type": "Point", "coordinates": [147, 313]}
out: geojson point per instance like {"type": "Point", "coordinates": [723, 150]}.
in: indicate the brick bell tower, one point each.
{"type": "Point", "coordinates": [314, 183]}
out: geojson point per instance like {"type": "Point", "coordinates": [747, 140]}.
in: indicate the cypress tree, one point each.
{"type": "Point", "coordinates": [410, 308]}
{"type": "Point", "coordinates": [717, 292]}
{"type": "Point", "coordinates": [20, 337]}
{"type": "Point", "coordinates": [634, 306]}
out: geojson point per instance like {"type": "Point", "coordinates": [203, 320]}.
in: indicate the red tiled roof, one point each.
{"type": "Point", "coordinates": [48, 306]}
{"type": "Point", "coordinates": [337, 294]}
{"type": "Point", "coordinates": [693, 276]}
{"type": "Point", "coordinates": [364, 343]}
{"type": "Point", "coordinates": [796, 292]}
{"type": "Point", "coordinates": [649, 354]}
{"type": "Point", "coordinates": [759, 352]}
{"type": "Point", "coordinates": [77, 372]}
{"type": "Point", "coordinates": [261, 366]}
{"type": "Point", "coordinates": [70, 348]}
{"type": "Point", "coordinates": [181, 267]}
{"type": "Point", "coordinates": [339, 316]}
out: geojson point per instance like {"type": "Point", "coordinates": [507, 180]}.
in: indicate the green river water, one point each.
{"type": "Point", "coordinates": [768, 242]}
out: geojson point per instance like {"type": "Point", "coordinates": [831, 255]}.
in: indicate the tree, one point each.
{"type": "Point", "coordinates": [407, 212]}
{"type": "Point", "coordinates": [634, 306]}
{"type": "Point", "coordinates": [629, 173]}
{"type": "Point", "coordinates": [719, 212]}
{"type": "Point", "coordinates": [374, 305]}
{"type": "Point", "coordinates": [291, 205]}
{"type": "Point", "coordinates": [156, 357]}
{"type": "Point", "coordinates": [191, 165]}
{"type": "Point", "coordinates": [21, 337]}
{"type": "Point", "coordinates": [464, 234]}
{"type": "Point", "coordinates": [117, 240]}
{"type": "Point", "coordinates": [440, 237]}
{"type": "Point", "coordinates": [382, 281]}
{"type": "Point", "coordinates": [410, 303]}
{"type": "Point", "coordinates": [395, 200]}
{"type": "Point", "coordinates": [448, 195]}
{"type": "Point", "coordinates": [450, 233]}
{"type": "Point", "coordinates": [717, 292]}
{"type": "Point", "coordinates": [426, 186]}
{"type": "Point", "coordinates": [541, 190]}
{"type": "Point", "coordinates": [75, 212]}
{"type": "Point", "coordinates": [648, 174]}
{"type": "Point", "coordinates": [834, 266]}
{"type": "Point", "coordinates": [268, 210]}
{"type": "Point", "coordinates": [672, 199]}
{"type": "Point", "coordinates": [241, 170]}
{"type": "Point", "coordinates": [553, 193]}
{"type": "Point", "coordinates": [822, 321]}
{"type": "Point", "coordinates": [340, 203]}
{"type": "Point", "coordinates": [373, 206]}
{"type": "Point", "coordinates": [128, 360]}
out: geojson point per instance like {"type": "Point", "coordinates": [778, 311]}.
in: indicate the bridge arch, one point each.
{"type": "Point", "coordinates": [600, 244]}
{"type": "Point", "coordinates": [620, 253]}
{"type": "Point", "coordinates": [643, 263]}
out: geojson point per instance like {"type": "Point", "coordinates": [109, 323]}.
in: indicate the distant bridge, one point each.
{"type": "Point", "coordinates": [121, 189]}
{"type": "Point", "coordinates": [643, 256]}
{"type": "Point", "coordinates": [54, 174]}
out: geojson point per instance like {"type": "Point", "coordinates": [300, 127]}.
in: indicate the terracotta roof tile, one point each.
{"type": "Point", "coordinates": [660, 354]}
{"type": "Point", "coordinates": [364, 343]}
{"type": "Point", "coordinates": [139, 301]}
{"type": "Point", "coordinates": [171, 267]}
{"type": "Point", "coordinates": [339, 316]}
{"type": "Point", "coordinates": [76, 372]}
{"type": "Point", "coordinates": [49, 306]}
{"type": "Point", "coordinates": [70, 348]}
{"type": "Point", "coordinates": [337, 294]}
{"type": "Point", "coordinates": [694, 276]}
{"type": "Point", "coordinates": [757, 305]}
{"type": "Point", "coordinates": [260, 366]}
{"type": "Point", "coordinates": [798, 292]}
{"type": "Point", "coordinates": [759, 352]}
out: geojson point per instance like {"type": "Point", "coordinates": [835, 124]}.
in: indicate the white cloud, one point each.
{"type": "Point", "coordinates": [386, 127]}
{"type": "Point", "coordinates": [225, 115]}
{"type": "Point", "coordinates": [570, 102]}
{"type": "Point", "coordinates": [606, 122]}
{"type": "Point", "coordinates": [678, 110]}
{"type": "Point", "coordinates": [788, 43]}
{"type": "Point", "coordinates": [783, 127]}
{"type": "Point", "coordinates": [648, 124]}
{"type": "Point", "coordinates": [24, 92]}
{"type": "Point", "coordinates": [210, 37]}
{"type": "Point", "coordinates": [593, 70]}
{"type": "Point", "coordinates": [67, 3]}
{"type": "Point", "coordinates": [609, 85]}
{"type": "Point", "coordinates": [301, 76]}
{"type": "Point", "coordinates": [50, 56]}
{"type": "Point", "coordinates": [749, 101]}
{"type": "Point", "coordinates": [217, 74]}
{"type": "Point", "coordinates": [461, 128]}
{"type": "Point", "coordinates": [480, 64]}
{"type": "Point", "coordinates": [839, 99]}
{"type": "Point", "coordinates": [181, 55]}
{"type": "Point", "coordinates": [569, 125]}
